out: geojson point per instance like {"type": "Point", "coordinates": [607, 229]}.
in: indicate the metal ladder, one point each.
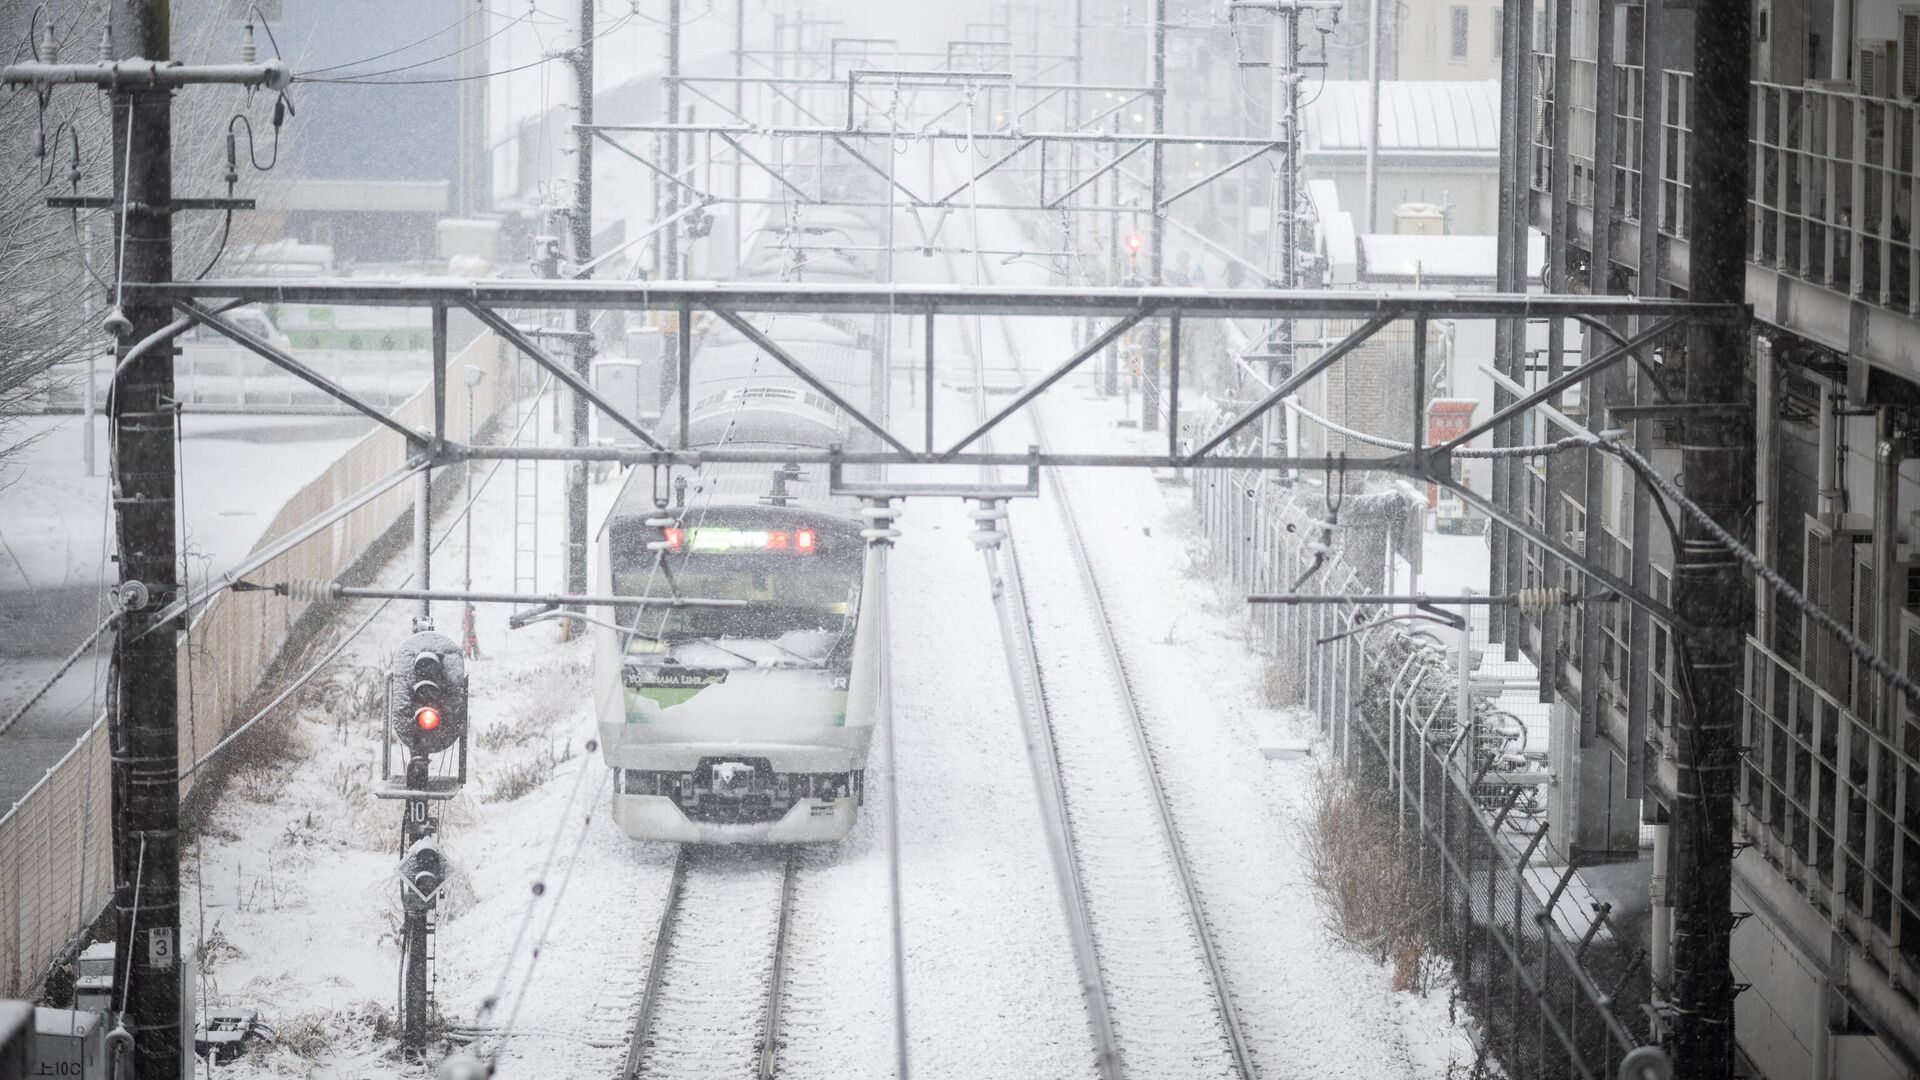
{"type": "Point", "coordinates": [526, 493]}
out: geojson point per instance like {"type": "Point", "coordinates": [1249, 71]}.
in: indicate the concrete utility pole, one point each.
{"type": "Point", "coordinates": [1156, 225]}
{"type": "Point", "coordinates": [582, 229]}
{"type": "Point", "coordinates": [143, 728]}
{"type": "Point", "coordinates": [1718, 469]}
{"type": "Point", "coordinates": [143, 721]}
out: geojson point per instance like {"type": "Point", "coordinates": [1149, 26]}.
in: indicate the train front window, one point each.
{"type": "Point", "coordinates": [792, 579]}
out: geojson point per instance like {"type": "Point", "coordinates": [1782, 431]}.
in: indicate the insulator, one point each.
{"type": "Point", "coordinates": [308, 590]}
{"type": "Point", "coordinates": [660, 545]}
{"type": "Point", "coordinates": [1540, 599]}
{"type": "Point", "coordinates": [988, 512]}
{"type": "Point", "coordinates": [986, 538]}
{"type": "Point", "coordinates": [662, 522]}
{"type": "Point", "coordinates": [49, 48]}
{"type": "Point", "coordinates": [249, 51]}
{"type": "Point", "coordinates": [879, 512]}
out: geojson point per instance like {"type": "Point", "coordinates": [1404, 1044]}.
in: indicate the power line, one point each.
{"type": "Point", "coordinates": [456, 24]}
{"type": "Point", "coordinates": [358, 75]}
{"type": "Point", "coordinates": [463, 78]}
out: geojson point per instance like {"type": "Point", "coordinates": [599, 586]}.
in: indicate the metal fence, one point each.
{"type": "Point", "coordinates": [55, 844]}
{"type": "Point", "coordinates": [1543, 975]}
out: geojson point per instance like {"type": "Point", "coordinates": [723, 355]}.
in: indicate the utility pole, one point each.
{"type": "Point", "coordinates": [143, 728]}
{"type": "Point", "coordinates": [143, 722]}
{"type": "Point", "coordinates": [1156, 224]}
{"type": "Point", "coordinates": [1718, 470]}
{"type": "Point", "coordinates": [582, 229]}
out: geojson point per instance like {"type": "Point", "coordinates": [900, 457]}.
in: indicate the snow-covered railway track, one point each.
{"type": "Point", "coordinates": [1173, 1010]}
{"type": "Point", "coordinates": [711, 1004]}
{"type": "Point", "coordinates": [1154, 982]}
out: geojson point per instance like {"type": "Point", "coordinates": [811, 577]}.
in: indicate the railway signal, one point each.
{"type": "Point", "coordinates": [426, 714]}
{"type": "Point", "coordinates": [427, 694]}
{"type": "Point", "coordinates": [421, 874]}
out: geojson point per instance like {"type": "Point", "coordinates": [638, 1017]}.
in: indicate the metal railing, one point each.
{"type": "Point", "coordinates": [1543, 983]}
{"type": "Point", "coordinates": [1827, 798]}
{"type": "Point", "coordinates": [1834, 197]}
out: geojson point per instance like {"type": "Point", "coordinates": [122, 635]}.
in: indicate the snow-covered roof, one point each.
{"type": "Point", "coordinates": [1456, 117]}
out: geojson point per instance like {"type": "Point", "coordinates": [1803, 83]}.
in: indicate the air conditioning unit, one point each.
{"type": "Point", "coordinates": [1827, 580]}
{"type": "Point", "coordinates": [1910, 53]}
{"type": "Point", "coordinates": [1873, 586]}
{"type": "Point", "coordinates": [1876, 72]}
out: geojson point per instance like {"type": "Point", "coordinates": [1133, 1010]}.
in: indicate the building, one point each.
{"type": "Point", "coordinates": [351, 179]}
{"type": "Point", "coordinates": [1445, 41]}
{"type": "Point", "coordinates": [1438, 143]}
{"type": "Point", "coordinates": [1829, 795]}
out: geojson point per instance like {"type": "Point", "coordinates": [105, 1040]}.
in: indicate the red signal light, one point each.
{"type": "Point", "coordinates": [777, 540]}
{"type": "Point", "coordinates": [426, 718]}
{"type": "Point", "coordinates": [1133, 243]}
{"type": "Point", "coordinates": [803, 541]}
{"type": "Point", "coordinates": [674, 539]}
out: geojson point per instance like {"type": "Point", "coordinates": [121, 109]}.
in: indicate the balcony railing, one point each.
{"type": "Point", "coordinates": [1834, 196]}
{"type": "Point", "coordinates": [1834, 193]}
{"type": "Point", "coordinates": [1830, 799]}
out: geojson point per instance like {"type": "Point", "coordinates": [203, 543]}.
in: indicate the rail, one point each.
{"type": "Point", "coordinates": [1235, 1036]}
{"type": "Point", "coordinates": [685, 949]}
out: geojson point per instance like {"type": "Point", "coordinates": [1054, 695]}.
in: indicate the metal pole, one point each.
{"type": "Point", "coordinates": [1718, 470]}
{"type": "Point", "coordinates": [423, 544]}
{"type": "Point", "coordinates": [582, 229]}
{"type": "Point", "coordinates": [739, 109]}
{"type": "Point", "coordinates": [93, 366]}
{"type": "Point", "coordinates": [1111, 384]}
{"type": "Point", "coordinates": [1157, 223]}
{"type": "Point", "coordinates": [469, 639]}
{"type": "Point", "coordinates": [143, 728]}
{"type": "Point", "coordinates": [1373, 116]}
{"type": "Point", "coordinates": [671, 242]}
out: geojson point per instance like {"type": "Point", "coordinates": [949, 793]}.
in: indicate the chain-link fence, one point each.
{"type": "Point", "coordinates": [1552, 986]}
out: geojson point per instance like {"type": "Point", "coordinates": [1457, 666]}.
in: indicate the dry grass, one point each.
{"type": "Point", "coordinates": [1370, 893]}
{"type": "Point", "coordinates": [524, 777]}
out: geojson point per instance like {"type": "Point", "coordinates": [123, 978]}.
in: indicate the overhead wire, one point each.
{"type": "Point", "coordinates": [357, 76]}
{"type": "Point", "coordinates": [618, 24]}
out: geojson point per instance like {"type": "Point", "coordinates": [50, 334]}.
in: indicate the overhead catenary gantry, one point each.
{"type": "Point", "coordinates": [1229, 447]}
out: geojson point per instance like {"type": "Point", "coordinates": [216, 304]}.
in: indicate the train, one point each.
{"type": "Point", "coordinates": [750, 724]}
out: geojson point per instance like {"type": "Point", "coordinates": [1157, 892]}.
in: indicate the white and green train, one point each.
{"type": "Point", "coordinates": [747, 724]}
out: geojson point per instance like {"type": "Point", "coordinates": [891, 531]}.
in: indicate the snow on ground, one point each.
{"type": "Point", "coordinates": [1304, 999]}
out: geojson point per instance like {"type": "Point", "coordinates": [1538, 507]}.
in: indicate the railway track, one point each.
{"type": "Point", "coordinates": [697, 1016]}
{"type": "Point", "coordinates": [1133, 904]}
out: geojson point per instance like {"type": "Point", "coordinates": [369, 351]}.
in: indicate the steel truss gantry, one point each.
{"type": "Point", "coordinates": [1118, 308]}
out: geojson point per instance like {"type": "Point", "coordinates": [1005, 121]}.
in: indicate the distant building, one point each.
{"type": "Point", "coordinates": [371, 164]}
{"type": "Point", "coordinates": [1438, 143]}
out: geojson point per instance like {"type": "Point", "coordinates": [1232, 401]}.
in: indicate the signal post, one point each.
{"type": "Point", "coordinates": [426, 715]}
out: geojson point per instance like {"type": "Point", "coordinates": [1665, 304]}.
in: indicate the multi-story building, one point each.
{"type": "Point", "coordinates": [1828, 809]}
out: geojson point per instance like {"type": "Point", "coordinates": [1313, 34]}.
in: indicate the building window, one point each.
{"type": "Point", "coordinates": [1499, 34]}
{"type": "Point", "coordinates": [1457, 53]}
